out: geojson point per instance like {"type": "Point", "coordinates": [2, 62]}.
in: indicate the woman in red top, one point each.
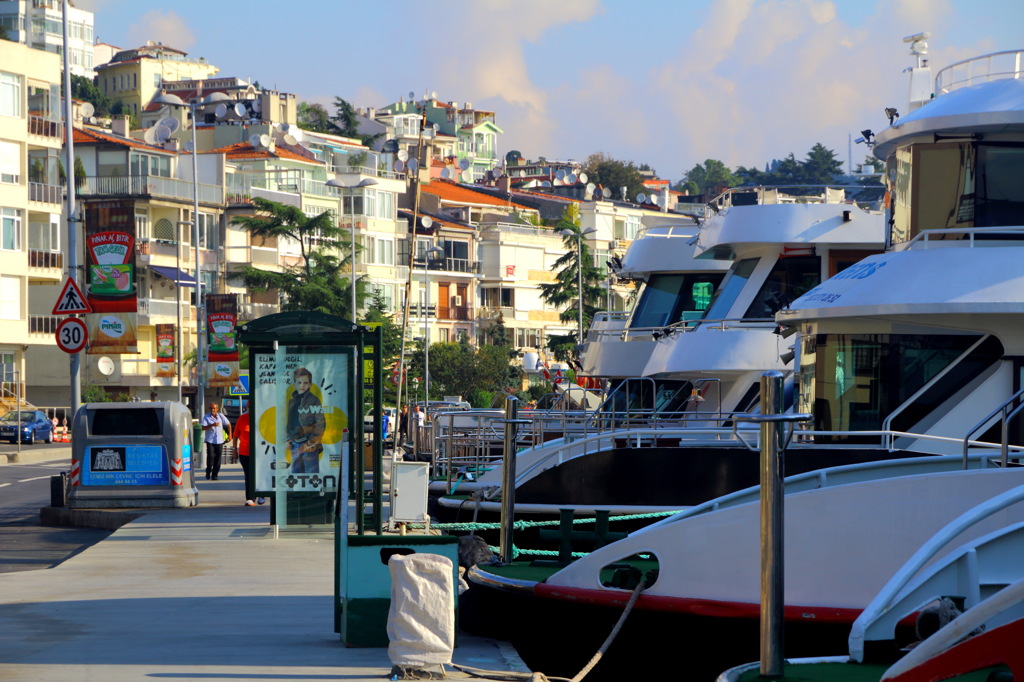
{"type": "Point", "coordinates": [240, 439]}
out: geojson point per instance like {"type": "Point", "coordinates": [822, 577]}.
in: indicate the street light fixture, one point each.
{"type": "Point", "coordinates": [365, 182]}
{"type": "Point", "coordinates": [167, 99]}
{"type": "Point", "coordinates": [579, 236]}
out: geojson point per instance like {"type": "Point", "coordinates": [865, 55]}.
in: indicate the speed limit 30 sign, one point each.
{"type": "Point", "coordinates": [72, 334]}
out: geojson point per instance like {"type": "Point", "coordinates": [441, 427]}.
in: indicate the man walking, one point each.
{"type": "Point", "coordinates": [216, 430]}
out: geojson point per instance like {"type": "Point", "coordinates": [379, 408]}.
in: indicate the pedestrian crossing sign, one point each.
{"type": "Point", "coordinates": [242, 387]}
{"type": "Point", "coordinates": [71, 300]}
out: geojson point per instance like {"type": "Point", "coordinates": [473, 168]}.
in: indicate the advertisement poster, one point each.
{"type": "Point", "coordinates": [222, 354]}
{"type": "Point", "coordinates": [110, 274]}
{"type": "Point", "coordinates": [166, 366]}
{"type": "Point", "coordinates": [302, 420]}
{"type": "Point", "coordinates": [125, 465]}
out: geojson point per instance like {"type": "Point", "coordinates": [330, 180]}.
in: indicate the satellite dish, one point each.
{"type": "Point", "coordinates": [289, 140]}
{"type": "Point", "coordinates": [583, 178]}
{"type": "Point", "coordinates": [150, 135]}
{"type": "Point", "coordinates": [571, 179]}
{"type": "Point", "coordinates": [105, 366]}
{"type": "Point", "coordinates": [87, 109]}
{"type": "Point", "coordinates": [433, 94]}
{"type": "Point", "coordinates": [283, 128]}
{"type": "Point", "coordinates": [161, 132]}
{"type": "Point", "coordinates": [189, 146]}
{"type": "Point", "coordinates": [257, 106]}
{"type": "Point", "coordinates": [545, 184]}
{"type": "Point", "coordinates": [560, 175]}
{"type": "Point", "coordinates": [445, 173]}
{"type": "Point", "coordinates": [656, 200]}
{"type": "Point", "coordinates": [412, 95]}
{"type": "Point", "coordinates": [169, 122]}
{"type": "Point", "coordinates": [467, 176]}
{"type": "Point", "coordinates": [590, 186]}
{"type": "Point", "coordinates": [496, 172]}
{"type": "Point", "coordinates": [426, 221]}
{"type": "Point", "coordinates": [254, 140]}
{"type": "Point", "coordinates": [265, 140]}
{"type": "Point", "coordinates": [403, 155]}
{"type": "Point", "coordinates": [221, 110]}
{"type": "Point", "coordinates": [641, 197]}
{"type": "Point", "coordinates": [398, 165]}
{"type": "Point", "coordinates": [557, 183]}
{"type": "Point", "coordinates": [606, 192]}
{"type": "Point", "coordinates": [240, 110]}
{"type": "Point", "coordinates": [464, 164]}
{"type": "Point", "coordinates": [412, 165]}
{"type": "Point", "coordinates": [522, 174]}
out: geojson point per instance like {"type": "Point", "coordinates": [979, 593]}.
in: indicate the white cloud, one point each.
{"type": "Point", "coordinates": [163, 27]}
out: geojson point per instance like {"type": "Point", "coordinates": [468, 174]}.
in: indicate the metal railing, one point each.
{"type": "Point", "coordinates": [798, 194]}
{"type": "Point", "coordinates": [990, 67]}
{"type": "Point", "coordinates": [44, 324]}
{"type": "Point", "coordinates": [46, 194]}
{"type": "Point", "coordinates": [44, 127]}
{"type": "Point", "coordinates": [162, 307]}
{"type": "Point", "coordinates": [149, 185]}
{"type": "Point", "coordinates": [38, 258]}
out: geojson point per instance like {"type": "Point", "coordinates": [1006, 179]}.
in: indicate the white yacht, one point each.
{"type": "Point", "coordinates": [917, 350]}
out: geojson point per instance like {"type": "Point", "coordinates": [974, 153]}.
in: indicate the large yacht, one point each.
{"type": "Point", "coordinates": [913, 351]}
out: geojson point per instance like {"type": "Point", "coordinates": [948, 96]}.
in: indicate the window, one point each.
{"type": "Point", "coordinates": [667, 299]}
{"type": "Point", "coordinates": [10, 163]}
{"type": "Point", "coordinates": [10, 229]}
{"type": "Point", "coordinates": [632, 227]}
{"type": "Point", "coordinates": [789, 279]}
{"type": "Point", "coordinates": [734, 282]}
{"type": "Point", "coordinates": [380, 251]}
{"type": "Point", "coordinates": [142, 223]}
{"type": "Point", "coordinates": [385, 292]}
{"type": "Point", "coordinates": [10, 297]}
{"type": "Point", "coordinates": [10, 94]}
{"type": "Point", "coordinates": [207, 231]}
{"type": "Point", "coordinates": [385, 205]}
{"type": "Point", "coordinates": [150, 164]}
{"type": "Point", "coordinates": [44, 236]}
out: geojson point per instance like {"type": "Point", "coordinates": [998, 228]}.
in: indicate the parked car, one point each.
{"type": "Point", "coordinates": [392, 415]}
{"type": "Point", "coordinates": [31, 425]}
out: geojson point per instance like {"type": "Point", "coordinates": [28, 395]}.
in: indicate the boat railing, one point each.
{"type": "Point", "coordinates": [990, 67]}
{"type": "Point", "coordinates": [797, 194]}
{"type": "Point", "coordinates": [925, 238]}
{"type": "Point", "coordinates": [900, 597]}
{"type": "Point", "coordinates": [887, 439]}
{"type": "Point", "coordinates": [1007, 411]}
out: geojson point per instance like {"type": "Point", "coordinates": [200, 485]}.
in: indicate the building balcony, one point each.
{"type": "Point", "coordinates": [45, 194]}
{"type": "Point", "coordinates": [154, 310]}
{"type": "Point", "coordinates": [150, 186]}
{"type": "Point", "coordinates": [49, 260]}
{"type": "Point", "coordinates": [463, 265]}
{"type": "Point", "coordinates": [162, 251]}
{"type": "Point", "coordinates": [44, 324]}
{"type": "Point", "coordinates": [252, 311]}
{"type": "Point", "coordinates": [459, 313]}
{"type": "Point", "coordinates": [492, 313]}
{"type": "Point", "coordinates": [43, 127]}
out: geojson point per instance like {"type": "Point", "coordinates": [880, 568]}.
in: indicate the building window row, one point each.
{"type": "Point", "coordinates": [10, 229]}
{"type": "Point", "coordinates": [10, 94]}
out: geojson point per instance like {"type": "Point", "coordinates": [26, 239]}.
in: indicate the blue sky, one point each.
{"type": "Point", "coordinates": [669, 83]}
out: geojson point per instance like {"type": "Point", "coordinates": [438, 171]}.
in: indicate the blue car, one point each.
{"type": "Point", "coordinates": [30, 425]}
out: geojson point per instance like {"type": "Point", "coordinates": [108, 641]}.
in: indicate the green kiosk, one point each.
{"type": "Point", "coordinates": [310, 375]}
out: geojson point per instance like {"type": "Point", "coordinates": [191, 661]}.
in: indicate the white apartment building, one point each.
{"type": "Point", "coordinates": [39, 24]}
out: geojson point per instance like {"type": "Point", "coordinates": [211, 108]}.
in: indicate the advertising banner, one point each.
{"type": "Point", "coordinates": [302, 421]}
{"type": "Point", "coordinates": [166, 351]}
{"type": "Point", "coordinates": [110, 273]}
{"type": "Point", "coordinates": [124, 465]}
{"type": "Point", "coordinates": [222, 354]}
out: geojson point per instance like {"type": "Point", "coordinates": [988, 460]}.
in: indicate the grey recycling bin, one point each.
{"type": "Point", "coordinates": [131, 455]}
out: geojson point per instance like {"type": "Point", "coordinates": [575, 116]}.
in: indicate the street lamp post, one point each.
{"type": "Point", "coordinates": [365, 182]}
{"type": "Point", "coordinates": [168, 99]}
{"type": "Point", "coordinates": [578, 236]}
{"type": "Point", "coordinates": [436, 251]}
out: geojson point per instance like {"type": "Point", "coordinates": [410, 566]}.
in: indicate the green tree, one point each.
{"type": "Point", "coordinates": [84, 89]}
{"type": "Point", "coordinates": [314, 118]}
{"type": "Point", "coordinates": [346, 122]}
{"type": "Point", "coordinates": [709, 179]}
{"type": "Point", "coordinates": [314, 283]}
{"type": "Point", "coordinates": [565, 290]}
{"type": "Point", "coordinates": [376, 315]}
{"type": "Point", "coordinates": [821, 167]}
{"type": "Point", "coordinates": [608, 172]}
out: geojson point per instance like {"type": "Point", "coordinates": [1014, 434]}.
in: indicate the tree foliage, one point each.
{"type": "Point", "coordinates": [708, 178]}
{"type": "Point", "coordinates": [608, 172]}
{"type": "Point", "coordinates": [565, 291]}
{"type": "Point", "coordinates": [821, 167]}
{"type": "Point", "coordinates": [85, 90]}
{"type": "Point", "coordinates": [314, 283]}
{"type": "Point", "coordinates": [314, 118]}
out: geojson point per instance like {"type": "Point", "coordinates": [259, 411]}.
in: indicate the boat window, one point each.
{"type": "Point", "coordinates": [789, 279]}
{"type": "Point", "coordinates": [670, 298]}
{"type": "Point", "coordinates": [730, 289]}
{"type": "Point", "coordinates": [626, 573]}
{"type": "Point", "coordinates": [951, 185]}
{"type": "Point", "coordinates": [852, 382]}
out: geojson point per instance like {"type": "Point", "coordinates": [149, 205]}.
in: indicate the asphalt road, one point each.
{"type": "Point", "coordinates": [24, 544]}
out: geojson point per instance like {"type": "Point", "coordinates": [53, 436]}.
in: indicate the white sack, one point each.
{"type": "Point", "coordinates": [421, 623]}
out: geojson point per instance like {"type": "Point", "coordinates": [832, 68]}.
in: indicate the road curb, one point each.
{"type": "Point", "coordinates": [98, 519]}
{"type": "Point", "coordinates": [35, 455]}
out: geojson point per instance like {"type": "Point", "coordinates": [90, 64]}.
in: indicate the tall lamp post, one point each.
{"type": "Point", "coordinates": [167, 99]}
{"type": "Point", "coordinates": [579, 236]}
{"type": "Point", "coordinates": [365, 182]}
{"type": "Point", "coordinates": [435, 251]}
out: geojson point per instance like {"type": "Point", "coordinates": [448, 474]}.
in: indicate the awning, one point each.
{"type": "Point", "coordinates": [175, 275]}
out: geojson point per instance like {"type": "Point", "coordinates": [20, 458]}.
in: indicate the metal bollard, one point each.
{"type": "Point", "coordinates": [508, 483]}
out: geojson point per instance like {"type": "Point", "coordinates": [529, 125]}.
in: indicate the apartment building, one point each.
{"type": "Point", "coordinates": [31, 230]}
{"type": "Point", "coordinates": [39, 24]}
{"type": "Point", "coordinates": [135, 76]}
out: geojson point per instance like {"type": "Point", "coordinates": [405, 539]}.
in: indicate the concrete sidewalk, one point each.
{"type": "Point", "coordinates": [200, 593]}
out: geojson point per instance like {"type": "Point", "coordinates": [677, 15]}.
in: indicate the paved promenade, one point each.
{"type": "Point", "coordinates": [205, 593]}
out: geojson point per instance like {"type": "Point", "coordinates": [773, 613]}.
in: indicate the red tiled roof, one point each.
{"type": "Point", "coordinates": [449, 191]}
{"type": "Point", "coordinates": [545, 195]}
{"type": "Point", "coordinates": [88, 136]}
{"type": "Point", "coordinates": [244, 150]}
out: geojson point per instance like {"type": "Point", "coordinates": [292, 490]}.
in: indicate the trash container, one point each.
{"type": "Point", "coordinates": [130, 455]}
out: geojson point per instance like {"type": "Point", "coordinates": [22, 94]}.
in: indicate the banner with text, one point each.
{"type": "Point", "coordinates": [110, 272]}
{"type": "Point", "coordinates": [166, 351]}
{"type": "Point", "coordinates": [222, 356]}
{"type": "Point", "coordinates": [302, 421]}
